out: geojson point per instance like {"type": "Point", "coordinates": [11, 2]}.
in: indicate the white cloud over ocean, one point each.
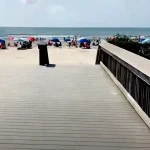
{"type": "Point", "coordinates": [100, 13]}
{"type": "Point", "coordinates": [54, 9]}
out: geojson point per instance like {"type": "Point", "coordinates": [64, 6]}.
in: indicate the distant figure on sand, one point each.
{"type": "Point", "coordinates": [57, 44]}
{"type": "Point", "coordinates": [50, 43]}
{"type": "Point", "coordinates": [69, 44]}
{"type": "Point", "coordinates": [76, 43]}
{"type": "Point", "coordinates": [2, 46]}
{"type": "Point", "coordinates": [75, 38]}
{"type": "Point", "coordinates": [15, 44]}
{"type": "Point", "coordinates": [84, 45]}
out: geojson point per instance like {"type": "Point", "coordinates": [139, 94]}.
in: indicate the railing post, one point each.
{"type": "Point", "coordinates": [98, 58]}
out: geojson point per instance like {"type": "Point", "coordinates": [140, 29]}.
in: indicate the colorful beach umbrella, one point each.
{"type": "Point", "coordinates": [11, 38]}
{"type": "Point", "coordinates": [2, 41]}
{"type": "Point", "coordinates": [55, 40]}
{"type": "Point", "coordinates": [146, 41]}
{"type": "Point", "coordinates": [84, 41]}
{"type": "Point", "coordinates": [31, 39]}
{"type": "Point", "coordinates": [82, 38]}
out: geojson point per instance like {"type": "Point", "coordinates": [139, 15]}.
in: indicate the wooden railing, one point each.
{"type": "Point", "coordinates": [132, 76]}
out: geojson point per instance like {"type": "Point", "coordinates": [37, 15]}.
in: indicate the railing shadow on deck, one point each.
{"type": "Point", "coordinates": [135, 82]}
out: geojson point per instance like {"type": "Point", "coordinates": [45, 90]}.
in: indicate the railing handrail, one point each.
{"type": "Point", "coordinates": [140, 63]}
{"type": "Point", "coordinates": [126, 68]}
{"type": "Point", "coordinates": [134, 70]}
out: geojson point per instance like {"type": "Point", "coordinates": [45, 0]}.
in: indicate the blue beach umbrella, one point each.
{"type": "Point", "coordinates": [55, 40]}
{"type": "Point", "coordinates": [84, 41]}
{"type": "Point", "coordinates": [82, 38]}
{"type": "Point", "coordinates": [2, 41]}
{"type": "Point", "coordinates": [67, 40]}
{"type": "Point", "coordinates": [146, 41]}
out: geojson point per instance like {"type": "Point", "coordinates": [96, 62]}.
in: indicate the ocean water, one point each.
{"type": "Point", "coordinates": [63, 32]}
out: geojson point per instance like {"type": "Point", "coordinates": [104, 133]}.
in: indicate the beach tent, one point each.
{"type": "Point", "coordinates": [2, 41]}
{"type": "Point", "coordinates": [55, 40]}
{"type": "Point", "coordinates": [146, 41]}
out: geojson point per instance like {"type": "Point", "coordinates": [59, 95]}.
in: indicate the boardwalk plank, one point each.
{"type": "Point", "coordinates": [67, 108]}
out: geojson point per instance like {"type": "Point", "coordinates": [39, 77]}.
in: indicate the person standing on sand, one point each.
{"type": "Point", "coordinates": [76, 43]}
{"type": "Point", "coordinates": [75, 38]}
{"type": "Point", "coordinates": [69, 44]}
{"type": "Point", "coordinates": [89, 42]}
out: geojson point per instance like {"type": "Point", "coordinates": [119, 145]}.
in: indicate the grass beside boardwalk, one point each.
{"type": "Point", "coordinates": [131, 45]}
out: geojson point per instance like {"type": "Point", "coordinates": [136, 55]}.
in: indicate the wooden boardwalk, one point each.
{"type": "Point", "coordinates": [66, 108]}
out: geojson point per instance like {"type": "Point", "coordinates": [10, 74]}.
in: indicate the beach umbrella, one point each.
{"type": "Point", "coordinates": [82, 38]}
{"type": "Point", "coordinates": [67, 40]}
{"type": "Point", "coordinates": [2, 41]}
{"type": "Point", "coordinates": [84, 41]}
{"type": "Point", "coordinates": [11, 38]}
{"type": "Point", "coordinates": [31, 39]}
{"type": "Point", "coordinates": [146, 41]}
{"type": "Point", "coordinates": [55, 40]}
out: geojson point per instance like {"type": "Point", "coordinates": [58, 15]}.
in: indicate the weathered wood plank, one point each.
{"type": "Point", "coordinates": [67, 107]}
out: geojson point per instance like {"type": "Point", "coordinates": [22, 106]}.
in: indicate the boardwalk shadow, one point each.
{"type": "Point", "coordinates": [51, 66]}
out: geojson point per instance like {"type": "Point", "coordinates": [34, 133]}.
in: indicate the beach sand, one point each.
{"type": "Point", "coordinates": [64, 55]}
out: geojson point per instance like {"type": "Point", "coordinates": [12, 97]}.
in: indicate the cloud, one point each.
{"type": "Point", "coordinates": [56, 9]}
{"type": "Point", "coordinates": [109, 13]}
{"type": "Point", "coordinates": [29, 1]}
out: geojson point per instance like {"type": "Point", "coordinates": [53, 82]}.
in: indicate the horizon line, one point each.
{"type": "Point", "coordinates": [63, 27]}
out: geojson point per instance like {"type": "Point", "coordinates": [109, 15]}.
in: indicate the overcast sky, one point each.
{"type": "Point", "coordinates": [75, 13]}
